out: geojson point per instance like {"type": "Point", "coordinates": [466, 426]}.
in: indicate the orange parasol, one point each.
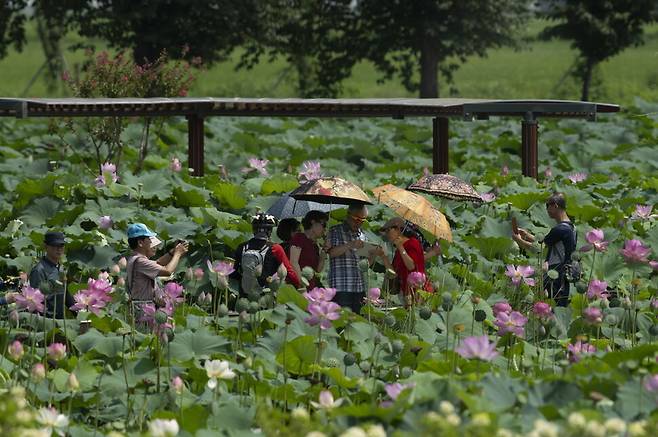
{"type": "Point", "coordinates": [415, 208]}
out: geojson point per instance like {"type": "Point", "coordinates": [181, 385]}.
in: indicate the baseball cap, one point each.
{"type": "Point", "coordinates": [393, 223]}
{"type": "Point", "coordinates": [136, 230]}
{"type": "Point", "coordinates": [53, 238]}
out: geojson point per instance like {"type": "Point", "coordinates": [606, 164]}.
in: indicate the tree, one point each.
{"type": "Point", "coordinates": [598, 29]}
{"type": "Point", "coordinates": [428, 37]}
{"type": "Point", "coordinates": [209, 29]}
{"type": "Point", "coordinates": [12, 25]}
{"type": "Point", "coordinates": [315, 37]}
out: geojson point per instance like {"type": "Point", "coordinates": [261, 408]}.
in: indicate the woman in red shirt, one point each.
{"type": "Point", "coordinates": [304, 249]}
{"type": "Point", "coordinates": [409, 256]}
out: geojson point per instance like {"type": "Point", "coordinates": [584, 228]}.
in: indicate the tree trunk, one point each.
{"type": "Point", "coordinates": [587, 79]}
{"type": "Point", "coordinates": [429, 69]}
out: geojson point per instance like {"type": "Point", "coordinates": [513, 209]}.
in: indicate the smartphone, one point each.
{"type": "Point", "coordinates": [515, 225]}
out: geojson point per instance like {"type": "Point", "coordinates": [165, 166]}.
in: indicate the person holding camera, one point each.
{"type": "Point", "coordinates": [141, 270]}
{"type": "Point", "coordinates": [560, 242]}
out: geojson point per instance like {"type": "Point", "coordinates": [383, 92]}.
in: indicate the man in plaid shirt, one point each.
{"type": "Point", "coordinates": [344, 273]}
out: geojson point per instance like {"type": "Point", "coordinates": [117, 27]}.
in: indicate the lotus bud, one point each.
{"type": "Point", "coordinates": [16, 351]}
{"type": "Point", "coordinates": [475, 300]}
{"type": "Point", "coordinates": [201, 299]}
{"type": "Point", "coordinates": [222, 311]}
{"type": "Point", "coordinates": [121, 282]}
{"type": "Point", "coordinates": [72, 383]}
{"type": "Point", "coordinates": [308, 272]}
{"type": "Point", "coordinates": [626, 303]}
{"type": "Point", "coordinates": [397, 346]}
{"type": "Point", "coordinates": [208, 299]}
{"type": "Point", "coordinates": [282, 272]}
{"type": "Point", "coordinates": [222, 282]}
{"type": "Point", "coordinates": [38, 372]}
{"type": "Point", "coordinates": [177, 385]}
{"type": "Point", "coordinates": [14, 317]}
{"type": "Point", "coordinates": [199, 273]}
{"type": "Point", "coordinates": [377, 338]}
{"type": "Point", "coordinates": [122, 263]}
{"type": "Point", "coordinates": [244, 317]}
{"type": "Point", "coordinates": [300, 414]}
{"type": "Point", "coordinates": [189, 274]}
{"type": "Point", "coordinates": [446, 297]}
{"type": "Point", "coordinates": [406, 372]}
{"type": "Point", "coordinates": [553, 274]}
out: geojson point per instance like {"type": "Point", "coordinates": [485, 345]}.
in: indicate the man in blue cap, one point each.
{"type": "Point", "coordinates": [142, 271]}
{"type": "Point", "coordinates": [47, 276]}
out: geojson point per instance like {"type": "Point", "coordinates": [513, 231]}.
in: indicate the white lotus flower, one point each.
{"type": "Point", "coordinates": [52, 420]}
{"type": "Point", "coordinates": [216, 369]}
{"type": "Point", "coordinates": [326, 400]}
{"type": "Point", "coordinates": [163, 428]}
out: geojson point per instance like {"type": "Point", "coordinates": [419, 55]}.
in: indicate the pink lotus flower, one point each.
{"type": "Point", "coordinates": [501, 307]}
{"type": "Point", "coordinates": [310, 171]}
{"type": "Point", "coordinates": [597, 289]}
{"type": "Point", "coordinates": [222, 268]}
{"type": "Point", "coordinates": [56, 351]}
{"type": "Point", "coordinates": [593, 315]}
{"type": "Point", "coordinates": [577, 177]}
{"type": "Point", "coordinates": [513, 322]}
{"type": "Point", "coordinates": [257, 164]}
{"type": "Point", "coordinates": [373, 296]}
{"type": "Point", "coordinates": [30, 299]}
{"type": "Point", "coordinates": [319, 294]}
{"type": "Point", "coordinates": [635, 252]}
{"type": "Point", "coordinates": [643, 212]}
{"type": "Point", "coordinates": [149, 317]}
{"type": "Point", "coordinates": [105, 222]}
{"type": "Point", "coordinates": [488, 197]}
{"type": "Point", "coordinates": [653, 265]}
{"type": "Point", "coordinates": [479, 348]}
{"type": "Point", "coordinates": [394, 390]}
{"type": "Point", "coordinates": [15, 350]}
{"type": "Point", "coordinates": [175, 165]}
{"type": "Point", "coordinates": [651, 383]}
{"type": "Point", "coordinates": [322, 313]}
{"type": "Point", "coordinates": [416, 279]}
{"type": "Point", "coordinates": [520, 274]}
{"type": "Point", "coordinates": [172, 293]}
{"type": "Point", "coordinates": [577, 350]}
{"type": "Point", "coordinates": [542, 310]}
{"type": "Point", "coordinates": [108, 173]}
{"type": "Point", "coordinates": [595, 240]}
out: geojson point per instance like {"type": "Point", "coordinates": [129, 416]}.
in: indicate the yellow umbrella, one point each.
{"type": "Point", "coordinates": [415, 208]}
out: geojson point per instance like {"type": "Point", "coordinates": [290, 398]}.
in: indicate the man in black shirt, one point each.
{"type": "Point", "coordinates": [46, 276]}
{"type": "Point", "coordinates": [560, 242]}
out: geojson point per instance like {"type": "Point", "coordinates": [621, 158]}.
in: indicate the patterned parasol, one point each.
{"type": "Point", "coordinates": [331, 190]}
{"type": "Point", "coordinates": [445, 185]}
{"type": "Point", "coordinates": [415, 208]}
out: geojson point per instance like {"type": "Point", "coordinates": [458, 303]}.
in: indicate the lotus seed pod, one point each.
{"type": "Point", "coordinates": [447, 306]}
{"type": "Point", "coordinates": [480, 315]}
{"type": "Point", "coordinates": [406, 372]}
{"type": "Point", "coordinates": [161, 317]}
{"type": "Point", "coordinates": [253, 296]}
{"type": "Point", "coordinates": [581, 287]}
{"type": "Point", "coordinates": [612, 320]}
{"type": "Point", "coordinates": [553, 274]}
{"type": "Point", "coordinates": [446, 297]}
{"type": "Point", "coordinates": [308, 273]}
{"type": "Point", "coordinates": [222, 311]}
{"type": "Point", "coordinates": [397, 346]}
{"type": "Point", "coordinates": [615, 302]}
{"type": "Point", "coordinates": [332, 362]}
{"type": "Point", "coordinates": [389, 320]}
{"type": "Point", "coordinates": [349, 359]}
{"type": "Point", "coordinates": [169, 335]}
{"type": "Point", "coordinates": [253, 307]}
{"type": "Point", "coordinates": [242, 305]}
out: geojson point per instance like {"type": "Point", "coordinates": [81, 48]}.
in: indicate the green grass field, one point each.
{"type": "Point", "coordinates": [536, 71]}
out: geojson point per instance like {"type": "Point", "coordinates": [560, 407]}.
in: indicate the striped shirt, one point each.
{"type": "Point", "coordinates": [344, 272]}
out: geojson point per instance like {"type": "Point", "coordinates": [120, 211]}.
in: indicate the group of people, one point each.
{"type": "Point", "coordinates": [305, 248]}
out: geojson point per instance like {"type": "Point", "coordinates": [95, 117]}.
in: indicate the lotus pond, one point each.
{"type": "Point", "coordinates": [484, 355]}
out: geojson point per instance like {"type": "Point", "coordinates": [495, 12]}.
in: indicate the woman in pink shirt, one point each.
{"type": "Point", "coordinates": [304, 249]}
